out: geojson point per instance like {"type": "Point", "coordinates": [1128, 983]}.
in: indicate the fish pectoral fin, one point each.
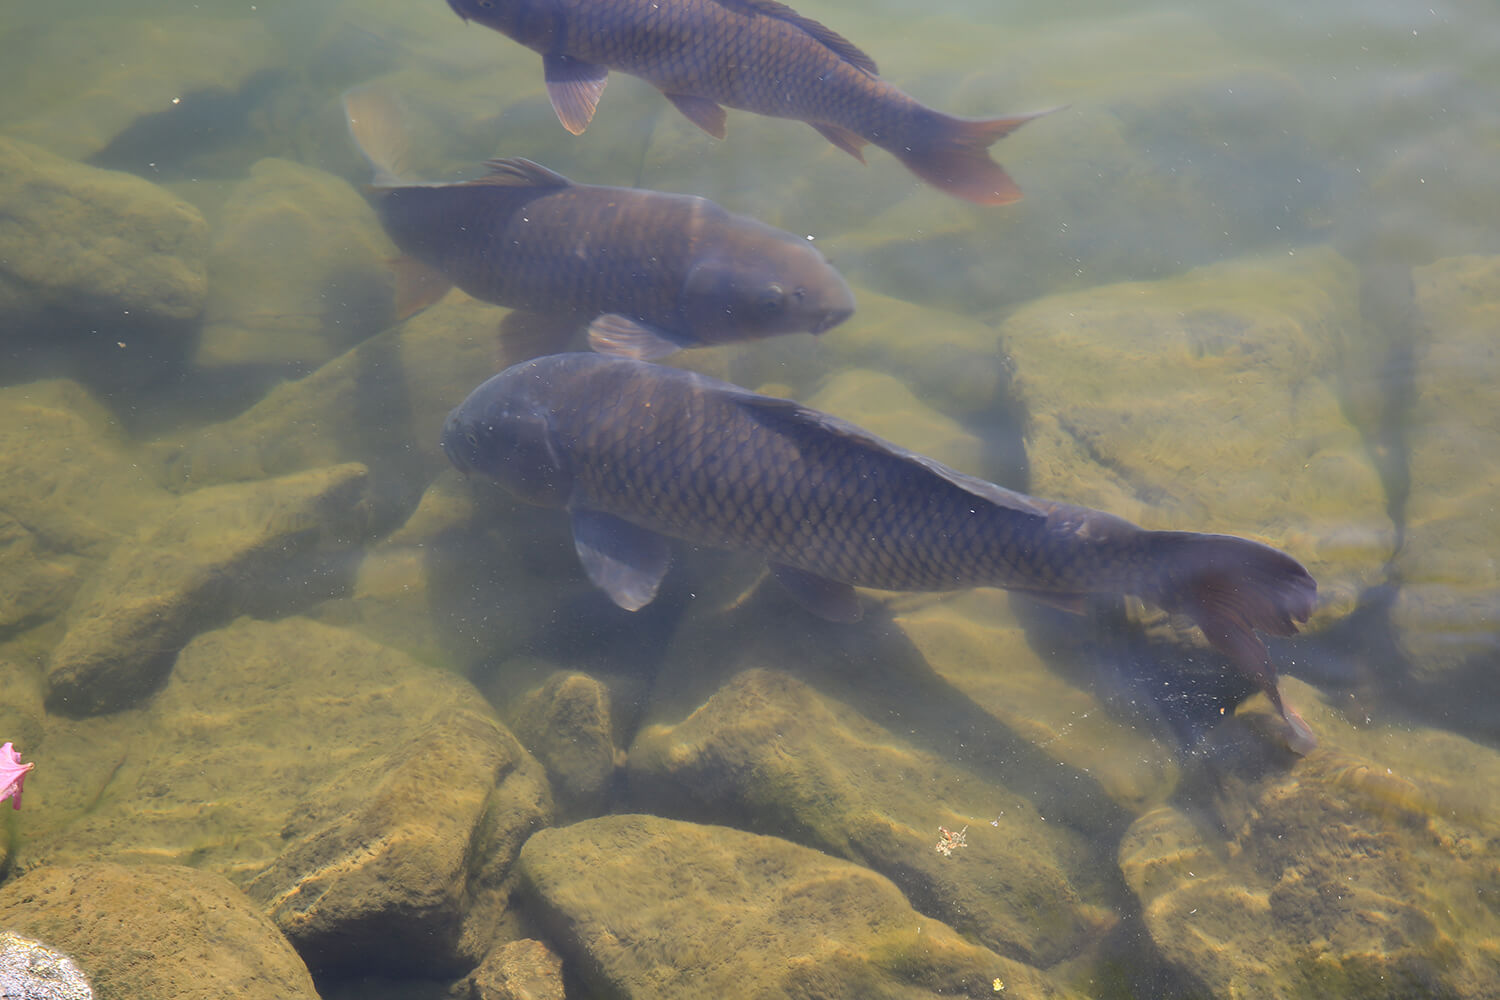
{"type": "Point", "coordinates": [702, 112]}
{"type": "Point", "coordinates": [418, 286]}
{"type": "Point", "coordinates": [850, 142]}
{"type": "Point", "coordinates": [828, 599]}
{"type": "Point", "coordinates": [621, 559]}
{"type": "Point", "coordinates": [574, 87]}
{"type": "Point", "coordinates": [622, 337]}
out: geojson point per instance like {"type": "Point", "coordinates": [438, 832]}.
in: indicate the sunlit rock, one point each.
{"type": "Point", "coordinates": [32, 971]}
{"type": "Point", "coordinates": [156, 930]}
{"type": "Point", "coordinates": [267, 547]}
{"type": "Point", "coordinates": [649, 907]}
{"type": "Point", "coordinates": [359, 797]}
{"type": "Point", "coordinates": [1448, 611]}
{"type": "Point", "coordinates": [768, 753]}
{"type": "Point", "coordinates": [1364, 869]}
{"type": "Point", "coordinates": [1208, 402]}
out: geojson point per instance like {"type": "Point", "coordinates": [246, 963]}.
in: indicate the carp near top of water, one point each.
{"type": "Point", "coordinates": [758, 55]}
{"type": "Point", "coordinates": [647, 272]}
{"type": "Point", "coordinates": [636, 451]}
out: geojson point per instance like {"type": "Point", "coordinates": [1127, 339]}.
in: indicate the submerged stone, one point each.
{"type": "Point", "coordinates": [298, 274]}
{"type": "Point", "coordinates": [97, 246]}
{"type": "Point", "coordinates": [566, 724]}
{"type": "Point", "coordinates": [29, 970]}
{"type": "Point", "coordinates": [1208, 402]}
{"type": "Point", "coordinates": [265, 547]}
{"type": "Point", "coordinates": [155, 930]}
{"type": "Point", "coordinates": [770, 753]}
{"type": "Point", "coordinates": [648, 907]}
{"type": "Point", "coordinates": [1448, 611]}
{"type": "Point", "coordinates": [362, 799]}
{"type": "Point", "coordinates": [1364, 869]}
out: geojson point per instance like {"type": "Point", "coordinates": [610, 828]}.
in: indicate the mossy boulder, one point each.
{"type": "Point", "coordinates": [650, 907]}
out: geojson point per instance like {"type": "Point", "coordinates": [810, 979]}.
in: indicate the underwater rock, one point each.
{"type": "Point", "coordinates": [71, 492]}
{"type": "Point", "coordinates": [977, 642]}
{"type": "Point", "coordinates": [769, 753]}
{"type": "Point", "coordinates": [29, 970]}
{"type": "Point", "coordinates": [1206, 402]}
{"type": "Point", "coordinates": [267, 548]}
{"type": "Point", "coordinates": [100, 246]}
{"type": "Point", "coordinates": [1365, 869]}
{"type": "Point", "coordinates": [363, 799]}
{"type": "Point", "coordinates": [156, 930]}
{"type": "Point", "coordinates": [382, 403]}
{"type": "Point", "coordinates": [566, 725]}
{"type": "Point", "coordinates": [1448, 611]}
{"type": "Point", "coordinates": [297, 274]}
{"type": "Point", "coordinates": [649, 907]}
{"type": "Point", "coordinates": [111, 85]}
{"type": "Point", "coordinates": [517, 970]}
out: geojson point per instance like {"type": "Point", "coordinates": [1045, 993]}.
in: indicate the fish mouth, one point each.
{"type": "Point", "coordinates": [832, 318]}
{"type": "Point", "coordinates": [462, 16]}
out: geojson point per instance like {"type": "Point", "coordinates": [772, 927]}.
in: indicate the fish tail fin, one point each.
{"type": "Point", "coordinates": [374, 119]}
{"type": "Point", "coordinates": [952, 154]}
{"type": "Point", "coordinates": [1231, 587]}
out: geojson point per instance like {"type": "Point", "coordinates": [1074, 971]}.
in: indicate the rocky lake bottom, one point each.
{"type": "Point", "coordinates": [314, 715]}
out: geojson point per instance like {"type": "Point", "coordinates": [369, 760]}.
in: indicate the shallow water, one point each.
{"type": "Point", "coordinates": [1253, 287]}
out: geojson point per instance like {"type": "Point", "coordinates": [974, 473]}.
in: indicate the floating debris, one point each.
{"type": "Point", "coordinates": [951, 839]}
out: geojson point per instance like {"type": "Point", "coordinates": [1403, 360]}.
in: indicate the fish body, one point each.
{"type": "Point", "coordinates": [647, 272]}
{"type": "Point", "coordinates": [756, 55]}
{"type": "Point", "coordinates": [638, 453]}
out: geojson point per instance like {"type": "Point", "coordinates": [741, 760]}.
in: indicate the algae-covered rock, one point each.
{"type": "Point", "coordinates": [1207, 402]}
{"type": "Point", "coordinates": [382, 403]}
{"type": "Point", "coordinates": [70, 493]}
{"type": "Point", "coordinates": [297, 272]}
{"type": "Point", "coordinates": [976, 642]}
{"type": "Point", "coordinates": [360, 797]}
{"type": "Point", "coordinates": [768, 752]}
{"type": "Point", "coordinates": [649, 907]}
{"type": "Point", "coordinates": [95, 244]}
{"type": "Point", "coordinates": [218, 553]}
{"type": "Point", "coordinates": [517, 970]}
{"type": "Point", "coordinates": [156, 931]}
{"type": "Point", "coordinates": [1367, 869]}
{"type": "Point", "coordinates": [81, 84]}
{"type": "Point", "coordinates": [567, 725]}
{"type": "Point", "coordinates": [1448, 610]}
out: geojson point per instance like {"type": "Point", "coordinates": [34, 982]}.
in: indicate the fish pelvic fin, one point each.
{"type": "Point", "coordinates": [1231, 588]}
{"type": "Point", "coordinates": [374, 120]}
{"type": "Point", "coordinates": [952, 154]}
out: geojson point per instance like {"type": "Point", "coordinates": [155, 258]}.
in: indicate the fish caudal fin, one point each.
{"type": "Point", "coordinates": [952, 154]}
{"type": "Point", "coordinates": [1231, 587]}
{"type": "Point", "coordinates": [374, 119]}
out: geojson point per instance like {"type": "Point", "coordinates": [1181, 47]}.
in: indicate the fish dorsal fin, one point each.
{"type": "Point", "coordinates": [517, 171]}
{"type": "Point", "coordinates": [794, 420]}
{"type": "Point", "coordinates": [827, 37]}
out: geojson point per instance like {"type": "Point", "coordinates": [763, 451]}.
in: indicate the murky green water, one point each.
{"type": "Point", "coordinates": [251, 621]}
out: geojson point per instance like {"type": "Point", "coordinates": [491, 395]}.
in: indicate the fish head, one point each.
{"type": "Point", "coordinates": [504, 432]}
{"type": "Point", "coordinates": [765, 285]}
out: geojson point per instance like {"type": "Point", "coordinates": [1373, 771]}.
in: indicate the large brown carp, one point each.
{"type": "Point", "coordinates": [646, 272]}
{"type": "Point", "coordinates": [757, 55]}
{"type": "Point", "coordinates": [637, 452]}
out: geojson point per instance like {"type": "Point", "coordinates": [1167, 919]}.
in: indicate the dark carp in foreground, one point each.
{"type": "Point", "coordinates": [646, 272]}
{"type": "Point", "coordinates": [636, 452]}
{"type": "Point", "coordinates": [757, 55]}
